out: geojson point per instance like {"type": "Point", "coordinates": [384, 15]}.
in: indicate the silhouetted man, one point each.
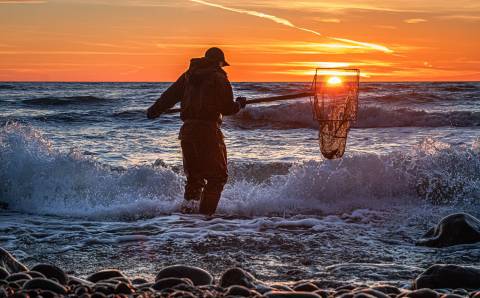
{"type": "Point", "coordinates": [206, 95]}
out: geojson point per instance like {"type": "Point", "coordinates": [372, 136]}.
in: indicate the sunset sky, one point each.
{"type": "Point", "coordinates": [264, 40]}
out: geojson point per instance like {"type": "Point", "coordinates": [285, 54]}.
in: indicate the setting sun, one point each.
{"type": "Point", "coordinates": [334, 81]}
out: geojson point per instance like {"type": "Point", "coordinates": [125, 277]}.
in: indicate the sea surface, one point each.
{"type": "Point", "coordinates": [87, 182]}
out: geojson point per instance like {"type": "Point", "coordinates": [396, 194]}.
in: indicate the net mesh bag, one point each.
{"type": "Point", "coordinates": [335, 106]}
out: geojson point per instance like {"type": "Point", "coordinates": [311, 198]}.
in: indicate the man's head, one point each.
{"type": "Point", "coordinates": [216, 55]}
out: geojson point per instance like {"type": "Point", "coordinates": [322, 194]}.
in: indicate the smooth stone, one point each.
{"type": "Point", "coordinates": [139, 281]}
{"type": "Point", "coordinates": [363, 295]}
{"type": "Point", "coordinates": [282, 288]}
{"type": "Point", "coordinates": [452, 296]}
{"type": "Point", "coordinates": [124, 288]}
{"type": "Point", "coordinates": [462, 292]}
{"type": "Point", "coordinates": [104, 275]}
{"type": "Point", "coordinates": [346, 295]}
{"type": "Point", "coordinates": [35, 274]}
{"type": "Point", "coordinates": [454, 229]}
{"type": "Point", "coordinates": [98, 295]}
{"type": "Point", "coordinates": [170, 282]}
{"type": "Point", "coordinates": [449, 276]}
{"type": "Point", "coordinates": [282, 294]}
{"type": "Point", "coordinates": [48, 294]}
{"type": "Point", "coordinates": [45, 284]}
{"type": "Point", "coordinates": [305, 287]}
{"type": "Point", "coordinates": [197, 275]}
{"type": "Point", "coordinates": [238, 291]}
{"type": "Point", "coordinates": [323, 293]}
{"type": "Point", "coordinates": [3, 273]}
{"type": "Point", "coordinates": [9, 263]}
{"type": "Point", "coordinates": [82, 290]}
{"type": "Point", "coordinates": [386, 289]}
{"type": "Point", "coordinates": [51, 271]}
{"type": "Point", "coordinates": [373, 293]}
{"type": "Point", "coordinates": [422, 293]}
{"type": "Point", "coordinates": [18, 276]}
{"type": "Point", "coordinates": [72, 280]}
{"type": "Point", "coordinates": [104, 289]}
{"type": "Point", "coordinates": [475, 295]}
{"type": "Point", "coordinates": [237, 277]}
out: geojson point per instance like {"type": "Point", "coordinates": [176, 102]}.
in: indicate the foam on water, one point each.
{"type": "Point", "coordinates": [38, 179]}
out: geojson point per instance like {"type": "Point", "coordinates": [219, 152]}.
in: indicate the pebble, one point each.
{"type": "Point", "coordinates": [237, 277]}
{"type": "Point", "coordinates": [104, 275]}
{"type": "Point", "coordinates": [197, 275]}
{"type": "Point", "coordinates": [45, 284]}
{"type": "Point", "coordinates": [51, 271]}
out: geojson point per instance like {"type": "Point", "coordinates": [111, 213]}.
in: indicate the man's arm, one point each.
{"type": "Point", "coordinates": [168, 99]}
{"type": "Point", "coordinates": [225, 94]}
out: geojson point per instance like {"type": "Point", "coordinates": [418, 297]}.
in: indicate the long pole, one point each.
{"type": "Point", "coordinates": [262, 99]}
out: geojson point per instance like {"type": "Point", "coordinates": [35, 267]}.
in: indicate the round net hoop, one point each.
{"type": "Point", "coordinates": [335, 106]}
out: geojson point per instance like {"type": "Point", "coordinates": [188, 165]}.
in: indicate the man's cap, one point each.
{"type": "Point", "coordinates": [217, 55]}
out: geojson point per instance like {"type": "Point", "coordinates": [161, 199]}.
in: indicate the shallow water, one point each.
{"type": "Point", "coordinates": [90, 183]}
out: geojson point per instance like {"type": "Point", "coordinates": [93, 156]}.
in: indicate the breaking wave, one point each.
{"type": "Point", "coordinates": [299, 115]}
{"type": "Point", "coordinates": [35, 178]}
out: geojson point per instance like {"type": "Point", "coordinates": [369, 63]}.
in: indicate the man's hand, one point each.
{"type": "Point", "coordinates": [242, 101]}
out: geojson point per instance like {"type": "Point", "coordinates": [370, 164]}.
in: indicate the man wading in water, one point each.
{"type": "Point", "coordinates": [205, 95]}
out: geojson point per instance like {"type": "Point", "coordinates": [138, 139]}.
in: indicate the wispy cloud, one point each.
{"type": "Point", "coordinates": [22, 2]}
{"type": "Point", "coordinates": [470, 18]}
{"type": "Point", "coordinates": [328, 20]}
{"type": "Point", "coordinates": [287, 23]}
{"type": "Point", "coordinates": [414, 21]}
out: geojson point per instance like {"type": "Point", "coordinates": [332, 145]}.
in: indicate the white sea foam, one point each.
{"type": "Point", "coordinates": [37, 179]}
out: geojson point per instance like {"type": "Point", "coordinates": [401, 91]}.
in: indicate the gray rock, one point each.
{"type": "Point", "coordinates": [3, 273]}
{"type": "Point", "coordinates": [449, 276]}
{"type": "Point", "coordinates": [45, 284]}
{"type": "Point", "coordinates": [237, 277]}
{"type": "Point", "coordinates": [9, 263]}
{"type": "Point", "coordinates": [197, 275]}
{"type": "Point", "coordinates": [458, 228]}
{"type": "Point", "coordinates": [18, 276]}
{"type": "Point", "coordinates": [104, 275]}
{"type": "Point", "coordinates": [305, 287]}
{"type": "Point", "coordinates": [170, 282]}
{"type": "Point", "coordinates": [238, 291]}
{"type": "Point", "coordinates": [51, 271]}
{"type": "Point", "coordinates": [422, 293]}
{"type": "Point", "coordinates": [281, 294]}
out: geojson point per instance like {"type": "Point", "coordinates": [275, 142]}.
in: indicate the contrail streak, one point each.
{"type": "Point", "coordinates": [287, 23]}
{"type": "Point", "coordinates": [278, 20]}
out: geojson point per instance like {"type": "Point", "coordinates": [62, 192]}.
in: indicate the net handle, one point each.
{"type": "Point", "coordinates": [262, 100]}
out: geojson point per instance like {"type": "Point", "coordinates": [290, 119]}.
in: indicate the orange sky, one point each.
{"type": "Point", "coordinates": [265, 40]}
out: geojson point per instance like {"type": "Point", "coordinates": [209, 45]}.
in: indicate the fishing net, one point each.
{"type": "Point", "coordinates": [335, 105]}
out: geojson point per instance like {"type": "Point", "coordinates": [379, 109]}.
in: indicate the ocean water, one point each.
{"type": "Point", "coordinates": [87, 182]}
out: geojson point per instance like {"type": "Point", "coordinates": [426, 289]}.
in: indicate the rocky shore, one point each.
{"type": "Point", "coordinates": [45, 280]}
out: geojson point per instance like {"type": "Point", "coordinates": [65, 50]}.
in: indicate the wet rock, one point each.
{"type": "Point", "coordinates": [197, 275]}
{"type": "Point", "coordinates": [282, 288]}
{"type": "Point", "coordinates": [170, 282]}
{"type": "Point", "coordinates": [18, 276]}
{"type": "Point", "coordinates": [237, 277]}
{"type": "Point", "coordinates": [238, 291]}
{"type": "Point", "coordinates": [36, 274]}
{"type": "Point", "coordinates": [139, 281]}
{"type": "Point", "coordinates": [372, 292]}
{"type": "Point", "coordinates": [104, 289]}
{"type": "Point", "coordinates": [98, 295]}
{"type": "Point", "coordinates": [3, 273]}
{"type": "Point", "coordinates": [72, 280]}
{"type": "Point", "coordinates": [422, 293]}
{"type": "Point", "coordinates": [51, 271]}
{"type": "Point", "coordinates": [124, 288]}
{"type": "Point", "coordinates": [104, 275]}
{"type": "Point", "coordinates": [452, 296]}
{"type": "Point", "coordinates": [82, 290]}
{"type": "Point", "coordinates": [9, 263]}
{"type": "Point", "coordinates": [306, 287]}
{"type": "Point", "coordinates": [386, 289]}
{"type": "Point", "coordinates": [449, 276]}
{"type": "Point", "coordinates": [281, 294]}
{"type": "Point", "coordinates": [45, 284]}
{"type": "Point", "coordinates": [475, 295]}
{"type": "Point", "coordinates": [323, 293]}
{"type": "Point", "coordinates": [458, 228]}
